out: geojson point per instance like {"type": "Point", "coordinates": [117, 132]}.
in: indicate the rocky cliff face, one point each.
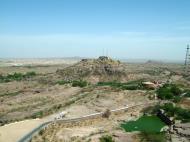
{"type": "Point", "coordinates": [102, 68]}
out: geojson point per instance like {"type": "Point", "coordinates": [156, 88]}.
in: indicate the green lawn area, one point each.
{"type": "Point", "coordinates": [148, 124]}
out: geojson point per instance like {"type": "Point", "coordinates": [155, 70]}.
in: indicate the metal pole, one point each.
{"type": "Point", "coordinates": [187, 53]}
{"type": "Point", "coordinates": [187, 59]}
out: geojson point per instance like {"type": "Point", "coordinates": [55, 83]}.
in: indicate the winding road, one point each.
{"type": "Point", "coordinates": [35, 131]}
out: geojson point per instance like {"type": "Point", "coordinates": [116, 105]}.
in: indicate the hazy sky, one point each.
{"type": "Point", "coordinates": [135, 29]}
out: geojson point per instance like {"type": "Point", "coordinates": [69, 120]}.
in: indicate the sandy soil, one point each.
{"type": "Point", "coordinates": [14, 131]}
{"type": "Point", "coordinates": [88, 129]}
{"type": "Point", "coordinates": [185, 103]}
{"type": "Point", "coordinates": [74, 132]}
{"type": "Point", "coordinates": [41, 94]}
{"type": "Point", "coordinates": [36, 61]}
{"type": "Point", "coordinates": [78, 111]}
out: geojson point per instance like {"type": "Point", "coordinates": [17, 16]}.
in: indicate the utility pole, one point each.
{"type": "Point", "coordinates": [187, 60]}
{"type": "Point", "coordinates": [102, 51]}
{"type": "Point", "coordinates": [107, 52]}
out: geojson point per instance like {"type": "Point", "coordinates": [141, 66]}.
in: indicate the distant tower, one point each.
{"type": "Point", "coordinates": [107, 52]}
{"type": "Point", "coordinates": [103, 52]}
{"type": "Point", "coordinates": [187, 60]}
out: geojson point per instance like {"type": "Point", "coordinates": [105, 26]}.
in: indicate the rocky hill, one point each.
{"type": "Point", "coordinates": [101, 69]}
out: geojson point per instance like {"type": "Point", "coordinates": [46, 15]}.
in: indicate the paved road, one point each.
{"type": "Point", "coordinates": [28, 137]}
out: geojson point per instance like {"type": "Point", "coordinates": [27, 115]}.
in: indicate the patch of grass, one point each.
{"type": "Point", "coordinates": [16, 77]}
{"type": "Point", "coordinates": [170, 92]}
{"type": "Point", "coordinates": [38, 114]}
{"type": "Point", "coordinates": [29, 74]}
{"type": "Point", "coordinates": [131, 85]}
{"type": "Point", "coordinates": [63, 82]}
{"type": "Point", "coordinates": [41, 132]}
{"type": "Point", "coordinates": [106, 138]}
{"type": "Point", "coordinates": [177, 99]}
{"type": "Point", "coordinates": [173, 111]}
{"type": "Point", "coordinates": [187, 93]}
{"type": "Point", "coordinates": [75, 83]}
{"type": "Point", "coordinates": [79, 83]}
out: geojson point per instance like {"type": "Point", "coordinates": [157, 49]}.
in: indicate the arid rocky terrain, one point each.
{"type": "Point", "coordinates": [30, 90]}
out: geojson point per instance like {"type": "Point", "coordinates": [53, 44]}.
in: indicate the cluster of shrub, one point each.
{"type": "Point", "coordinates": [131, 85]}
{"type": "Point", "coordinates": [16, 77]}
{"type": "Point", "coordinates": [38, 114]}
{"type": "Point", "coordinates": [171, 92]}
{"type": "Point", "coordinates": [74, 83]}
{"type": "Point", "coordinates": [106, 138]}
{"type": "Point", "coordinates": [187, 94]}
{"type": "Point", "coordinates": [173, 111]}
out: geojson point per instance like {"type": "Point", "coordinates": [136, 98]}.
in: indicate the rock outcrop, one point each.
{"type": "Point", "coordinates": [183, 129]}
{"type": "Point", "coordinates": [103, 68]}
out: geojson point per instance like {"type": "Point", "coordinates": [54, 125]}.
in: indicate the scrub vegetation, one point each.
{"type": "Point", "coordinates": [106, 138]}
{"type": "Point", "coordinates": [87, 87]}
{"type": "Point", "coordinates": [16, 77]}
{"type": "Point", "coordinates": [74, 83]}
{"type": "Point", "coordinates": [172, 92]}
{"type": "Point", "coordinates": [171, 110]}
{"type": "Point", "coordinates": [131, 85]}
